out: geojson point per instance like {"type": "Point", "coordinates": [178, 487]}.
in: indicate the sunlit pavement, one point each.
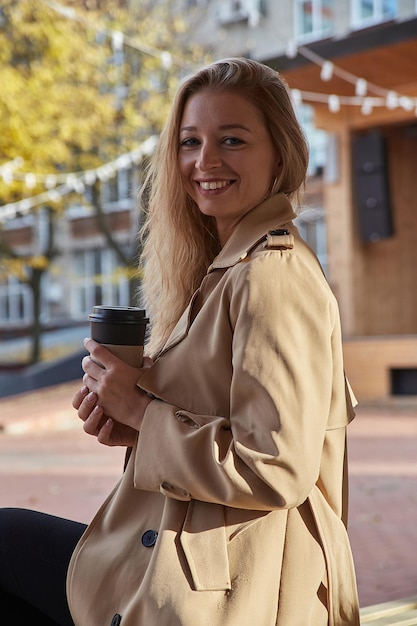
{"type": "Point", "coordinates": [383, 502]}
{"type": "Point", "coordinates": [48, 463]}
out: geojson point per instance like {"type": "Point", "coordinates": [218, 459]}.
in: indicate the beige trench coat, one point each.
{"type": "Point", "coordinates": [230, 510]}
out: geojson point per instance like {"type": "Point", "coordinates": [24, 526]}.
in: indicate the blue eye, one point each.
{"type": "Point", "coordinates": [232, 141]}
{"type": "Point", "coordinates": [190, 141]}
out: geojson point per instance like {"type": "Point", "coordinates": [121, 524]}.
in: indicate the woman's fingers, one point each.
{"type": "Point", "coordinates": [92, 369]}
{"type": "Point", "coordinates": [98, 424]}
{"type": "Point", "coordinates": [94, 422]}
{"type": "Point", "coordinates": [112, 433]}
{"type": "Point", "coordinates": [94, 373]}
{"type": "Point", "coordinates": [87, 405]}
{"type": "Point", "coordinates": [99, 357]}
{"type": "Point", "coordinates": [104, 435]}
{"type": "Point", "coordinates": [79, 397]}
{"type": "Point", "coordinates": [89, 412]}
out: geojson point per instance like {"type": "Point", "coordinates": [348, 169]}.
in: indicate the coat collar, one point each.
{"type": "Point", "coordinates": [272, 213]}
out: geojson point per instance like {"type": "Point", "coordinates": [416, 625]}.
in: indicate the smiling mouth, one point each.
{"type": "Point", "coordinates": [214, 184]}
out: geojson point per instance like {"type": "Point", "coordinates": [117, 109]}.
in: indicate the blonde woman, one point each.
{"type": "Point", "coordinates": [232, 508]}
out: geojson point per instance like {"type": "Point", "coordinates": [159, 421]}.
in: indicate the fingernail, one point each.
{"type": "Point", "coordinates": [92, 396]}
{"type": "Point", "coordinates": [84, 390]}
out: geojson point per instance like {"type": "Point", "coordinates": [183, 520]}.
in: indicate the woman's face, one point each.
{"type": "Point", "coordinates": [226, 156]}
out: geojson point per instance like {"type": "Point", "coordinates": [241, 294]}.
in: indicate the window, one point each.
{"type": "Point", "coordinates": [116, 193]}
{"type": "Point", "coordinates": [367, 12]}
{"type": "Point", "coordinates": [404, 381]}
{"type": "Point", "coordinates": [97, 278]}
{"type": "Point", "coordinates": [120, 187]}
{"type": "Point", "coordinates": [312, 227]}
{"type": "Point", "coordinates": [317, 139]}
{"type": "Point", "coordinates": [15, 302]}
{"type": "Point", "coordinates": [313, 19]}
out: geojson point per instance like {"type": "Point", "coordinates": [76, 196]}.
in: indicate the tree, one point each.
{"type": "Point", "coordinates": [76, 93]}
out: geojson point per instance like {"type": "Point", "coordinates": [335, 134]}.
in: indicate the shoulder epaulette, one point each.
{"type": "Point", "coordinates": [280, 239]}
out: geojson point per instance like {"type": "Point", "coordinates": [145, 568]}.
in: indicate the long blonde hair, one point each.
{"type": "Point", "coordinates": [179, 242]}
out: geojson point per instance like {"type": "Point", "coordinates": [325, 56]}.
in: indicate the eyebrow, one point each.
{"type": "Point", "coordinates": [223, 127]}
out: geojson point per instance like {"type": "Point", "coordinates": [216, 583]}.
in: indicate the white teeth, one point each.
{"type": "Point", "coordinates": [214, 184]}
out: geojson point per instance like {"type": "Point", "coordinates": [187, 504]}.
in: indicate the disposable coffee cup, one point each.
{"type": "Point", "coordinates": [121, 330]}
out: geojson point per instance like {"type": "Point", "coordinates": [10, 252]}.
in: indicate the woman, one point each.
{"type": "Point", "coordinates": [232, 507]}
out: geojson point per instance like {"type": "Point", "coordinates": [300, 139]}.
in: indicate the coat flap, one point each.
{"type": "Point", "coordinates": [346, 413]}
{"type": "Point", "coordinates": [342, 593]}
{"type": "Point", "coordinates": [203, 539]}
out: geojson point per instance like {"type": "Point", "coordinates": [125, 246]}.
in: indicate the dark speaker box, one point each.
{"type": "Point", "coordinates": [371, 189]}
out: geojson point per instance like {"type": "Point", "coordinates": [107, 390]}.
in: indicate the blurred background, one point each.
{"type": "Point", "coordinates": [85, 86]}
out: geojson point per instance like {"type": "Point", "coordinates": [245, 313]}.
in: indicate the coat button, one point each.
{"type": "Point", "coordinates": [116, 620]}
{"type": "Point", "coordinates": [149, 538]}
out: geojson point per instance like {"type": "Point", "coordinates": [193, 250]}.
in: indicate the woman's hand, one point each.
{"type": "Point", "coordinates": [110, 404]}
{"type": "Point", "coordinates": [108, 431]}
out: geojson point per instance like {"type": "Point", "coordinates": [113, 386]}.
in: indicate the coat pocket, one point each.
{"type": "Point", "coordinates": [203, 540]}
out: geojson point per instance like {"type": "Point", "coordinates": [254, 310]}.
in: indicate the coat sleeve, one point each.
{"type": "Point", "coordinates": [267, 456]}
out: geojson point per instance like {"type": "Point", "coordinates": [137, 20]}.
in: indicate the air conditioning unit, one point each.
{"type": "Point", "coordinates": [231, 11]}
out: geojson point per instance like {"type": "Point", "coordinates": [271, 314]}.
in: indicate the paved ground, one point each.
{"type": "Point", "coordinates": [48, 463]}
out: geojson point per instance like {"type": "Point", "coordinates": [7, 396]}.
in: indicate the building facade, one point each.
{"type": "Point", "coordinates": [86, 270]}
{"type": "Point", "coordinates": [352, 65]}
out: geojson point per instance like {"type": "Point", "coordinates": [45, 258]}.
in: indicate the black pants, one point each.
{"type": "Point", "coordinates": [35, 550]}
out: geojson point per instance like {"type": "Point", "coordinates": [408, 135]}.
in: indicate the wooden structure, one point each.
{"type": "Point", "coordinates": [370, 198]}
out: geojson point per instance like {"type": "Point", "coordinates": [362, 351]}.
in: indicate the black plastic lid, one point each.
{"type": "Point", "coordinates": [118, 314]}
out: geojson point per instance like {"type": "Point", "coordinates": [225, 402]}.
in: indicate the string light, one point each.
{"type": "Point", "coordinates": [117, 38]}
{"type": "Point", "coordinates": [7, 176]}
{"type": "Point", "coordinates": [333, 100]}
{"type": "Point", "coordinates": [7, 169]}
{"type": "Point", "coordinates": [366, 108]}
{"type": "Point", "coordinates": [334, 103]}
{"type": "Point", "coordinates": [77, 181]}
{"type": "Point", "coordinates": [361, 87]}
{"type": "Point", "coordinates": [50, 181]}
{"type": "Point", "coordinates": [387, 97]}
{"type": "Point", "coordinates": [326, 72]}
{"type": "Point", "coordinates": [406, 103]}
{"type": "Point", "coordinates": [328, 68]}
{"type": "Point", "coordinates": [73, 181]}
{"type": "Point", "coordinates": [291, 49]}
{"type": "Point", "coordinates": [297, 97]}
{"type": "Point", "coordinates": [392, 100]}
{"type": "Point", "coordinates": [88, 176]}
{"type": "Point", "coordinates": [30, 180]}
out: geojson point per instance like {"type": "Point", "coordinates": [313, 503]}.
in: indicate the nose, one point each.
{"type": "Point", "coordinates": [208, 157]}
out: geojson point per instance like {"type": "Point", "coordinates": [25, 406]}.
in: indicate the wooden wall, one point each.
{"type": "Point", "coordinates": [369, 362]}
{"type": "Point", "coordinates": [375, 283]}
{"type": "Point", "coordinates": [386, 271]}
